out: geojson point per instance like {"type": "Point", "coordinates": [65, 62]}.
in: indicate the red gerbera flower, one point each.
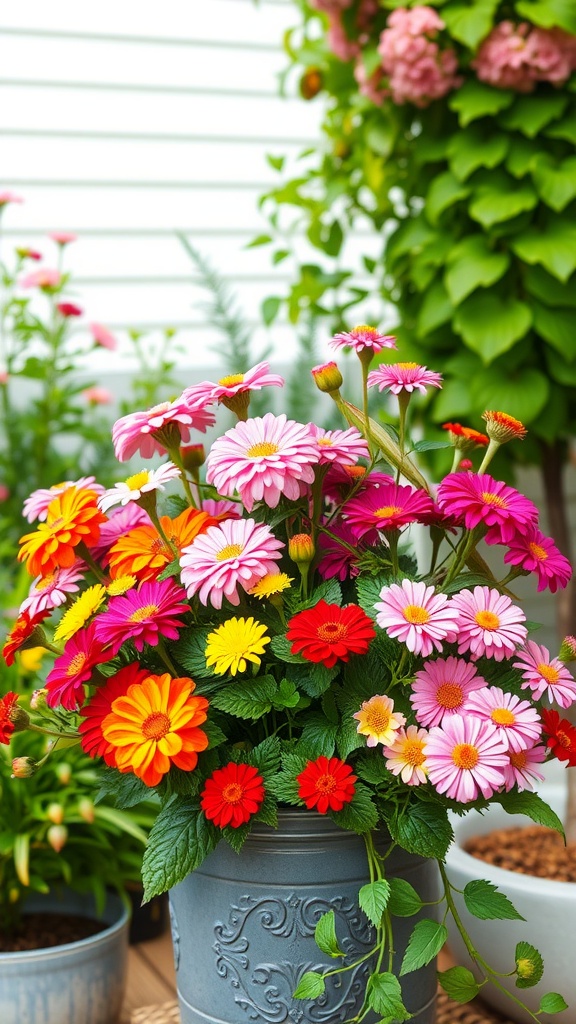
{"type": "Point", "coordinates": [232, 794]}
{"type": "Point", "coordinates": [7, 704]}
{"type": "Point", "coordinates": [94, 711]}
{"type": "Point", "coordinates": [73, 668]}
{"type": "Point", "coordinates": [328, 633]}
{"type": "Point", "coordinates": [560, 736]}
{"type": "Point", "coordinates": [326, 784]}
{"type": "Point", "coordinates": [22, 631]}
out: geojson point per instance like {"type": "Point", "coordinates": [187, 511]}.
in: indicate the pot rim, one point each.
{"type": "Point", "coordinates": [44, 953]}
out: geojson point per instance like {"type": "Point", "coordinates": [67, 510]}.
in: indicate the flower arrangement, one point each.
{"type": "Point", "coordinates": [268, 638]}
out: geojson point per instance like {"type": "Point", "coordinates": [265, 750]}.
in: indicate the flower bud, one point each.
{"type": "Point", "coordinates": [567, 651]}
{"type": "Point", "coordinates": [311, 83]}
{"type": "Point", "coordinates": [63, 772]}
{"type": "Point", "coordinates": [501, 427]}
{"type": "Point", "coordinates": [466, 464]}
{"type": "Point", "coordinates": [38, 700]}
{"type": "Point", "coordinates": [301, 548]}
{"type": "Point", "coordinates": [24, 767]}
{"type": "Point", "coordinates": [57, 836]}
{"type": "Point", "coordinates": [327, 377]}
{"type": "Point", "coordinates": [20, 719]}
{"type": "Point", "coordinates": [193, 456]}
{"type": "Point", "coordinates": [86, 809]}
{"type": "Point", "coordinates": [55, 813]}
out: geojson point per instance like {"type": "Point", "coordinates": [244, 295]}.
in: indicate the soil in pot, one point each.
{"type": "Point", "coordinates": [532, 850]}
{"type": "Point", "coordinates": [43, 931]}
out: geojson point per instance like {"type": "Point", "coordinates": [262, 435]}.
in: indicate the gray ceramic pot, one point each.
{"type": "Point", "coordinates": [243, 926]}
{"type": "Point", "coordinates": [78, 983]}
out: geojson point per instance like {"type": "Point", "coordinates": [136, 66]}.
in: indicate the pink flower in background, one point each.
{"type": "Point", "coordinates": [28, 254]}
{"type": "Point", "coordinates": [371, 86]}
{"type": "Point", "coordinates": [489, 625]}
{"type": "Point", "coordinates": [36, 506]}
{"type": "Point", "coordinates": [442, 687]}
{"type": "Point", "coordinates": [330, 5]}
{"type": "Point", "coordinates": [416, 615]}
{"type": "Point", "coordinates": [45, 279]}
{"type": "Point", "coordinates": [418, 70]}
{"type": "Point", "coordinates": [363, 337]}
{"type": "Point", "coordinates": [397, 377]}
{"type": "Point", "coordinates": [517, 720]}
{"type": "Point", "coordinates": [465, 758]}
{"type": "Point", "coordinates": [4, 493]}
{"type": "Point", "coordinates": [338, 40]}
{"type": "Point", "coordinates": [67, 309]}
{"type": "Point", "coordinates": [237, 553]}
{"type": "Point", "coordinates": [157, 429]}
{"type": "Point", "coordinates": [65, 683]}
{"type": "Point", "coordinates": [233, 384]}
{"type": "Point", "coordinates": [387, 507]}
{"type": "Point", "coordinates": [9, 197]}
{"type": "Point", "coordinates": [51, 591]}
{"type": "Point", "coordinates": [517, 56]}
{"type": "Point", "coordinates": [143, 616]}
{"type": "Point", "coordinates": [231, 509]}
{"type": "Point", "coordinates": [544, 674]}
{"type": "Point", "coordinates": [521, 770]}
{"type": "Point", "coordinates": [120, 521]}
{"type": "Point", "coordinates": [343, 446]}
{"type": "Point", "coordinates": [534, 552]}
{"type": "Point", "coordinates": [263, 458]}
{"type": "Point", "coordinates": [474, 499]}
{"type": "Point", "coordinates": [98, 396]}
{"type": "Point", "coordinates": [62, 237]}
{"type": "Point", "coordinates": [103, 337]}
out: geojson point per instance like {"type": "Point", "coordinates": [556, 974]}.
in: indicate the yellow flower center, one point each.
{"type": "Point", "coordinates": [493, 499]}
{"type": "Point", "coordinates": [327, 442]}
{"type": "Point", "coordinates": [331, 632]}
{"type": "Point", "coordinates": [538, 552]}
{"type": "Point", "coordinates": [231, 379]}
{"type": "Point", "coordinates": [76, 664]}
{"type": "Point", "coordinates": [502, 716]}
{"type": "Point", "coordinates": [45, 582]}
{"type": "Point", "coordinates": [387, 511]}
{"type": "Point", "coordinates": [413, 753]}
{"type": "Point", "coordinates": [143, 613]}
{"type": "Point", "coordinates": [377, 719]}
{"type": "Point", "coordinates": [548, 672]}
{"type": "Point", "coordinates": [450, 695]}
{"type": "Point", "coordinates": [407, 366]}
{"type": "Point", "coordinates": [230, 551]}
{"type": "Point", "coordinates": [518, 758]}
{"type": "Point", "coordinates": [465, 756]}
{"type": "Point", "coordinates": [325, 783]}
{"type": "Point", "coordinates": [364, 329]}
{"type": "Point", "coordinates": [487, 620]}
{"type": "Point", "coordinates": [415, 614]}
{"type": "Point", "coordinates": [138, 480]}
{"type": "Point", "coordinates": [156, 726]}
{"type": "Point", "coordinates": [232, 792]}
{"type": "Point", "coordinates": [261, 449]}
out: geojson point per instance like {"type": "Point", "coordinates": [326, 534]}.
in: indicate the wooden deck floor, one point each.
{"type": "Point", "coordinates": [151, 976]}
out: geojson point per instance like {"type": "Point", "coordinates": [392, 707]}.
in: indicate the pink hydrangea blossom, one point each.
{"type": "Point", "coordinates": [518, 720]}
{"type": "Point", "coordinates": [517, 56]}
{"type": "Point", "coordinates": [416, 615]}
{"type": "Point", "coordinates": [237, 553]}
{"type": "Point", "coordinates": [466, 758]}
{"type": "Point", "coordinates": [338, 40]}
{"type": "Point", "coordinates": [489, 625]}
{"type": "Point", "coordinates": [418, 70]}
{"type": "Point", "coordinates": [155, 430]}
{"type": "Point", "coordinates": [544, 674]}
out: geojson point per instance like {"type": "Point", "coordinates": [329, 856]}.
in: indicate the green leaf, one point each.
{"type": "Point", "coordinates": [286, 695]}
{"type": "Point", "coordinates": [564, 129]}
{"type": "Point", "coordinates": [521, 155]}
{"type": "Point", "coordinates": [472, 264]}
{"type": "Point", "coordinates": [127, 789]}
{"type": "Point", "coordinates": [430, 446]}
{"type": "Point", "coordinates": [373, 899]}
{"type": "Point", "coordinates": [325, 935]}
{"type": "Point", "coordinates": [385, 997]}
{"type": "Point", "coordinates": [475, 100]}
{"type": "Point", "coordinates": [423, 828]}
{"type": "Point", "coordinates": [538, 282]}
{"type": "Point", "coordinates": [523, 393]}
{"type": "Point", "coordinates": [492, 205]}
{"type": "Point", "coordinates": [259, 240]}
{"type": "Point", "coordinates": [334, 239]}
{"type": "Point", "coordinates": [319, 737]}
{"type": "Point", "coordinates": [311, 986]}
{"type": "Point", "coordinates": [474, 148]}
{"type": "Point", "coordinates": [444, 191]}
{"type": "Point", "coordinates": [180, 839]}
{"type": "Point", "coordinates": [190, 652]}
{"type": "Point", "coordinates": [555, 182]}
{"type": "Point", "coordinates": [270, 309]}
{"type": "Point", "coordinates": [485, 902]}
{"type": "Point", "coordinates": [553, 245]}
{"type": "Point", "coordinates": [529, 965]}
{"type": "Point", "coordinates": [276, 162]}
{"type": "Point", "coordinates": [530, 114]}
{"type": "Point", "coordinates": [470, 23]}
{"type": "Point", "coordinates": [425, 943]}
{"type": "Point", "coordinates": [558, 327]}
{"type": "Point", "coordinates": [360, 815]}
{"type": "Point", "coordinates": [283, 649]}
{"type": "Point", "coordinates": [436, 309]}
{"type": "Point", "coordinates": [266, 757]}
{"type": "Point", "coordinates": [404, 900]}
{"type": "Point", "coordinates": [533, 806]}
{"type": "Point", "coordinates": [248, 698]}
{"type": "Point", "coordinates": [490, 325]}
{"type": "Point", "coordinates": [549, 13]}
{"type": "Point", "coordinates": [459, 983]}
{"type": "Point", "coordinates": [552, 1002]}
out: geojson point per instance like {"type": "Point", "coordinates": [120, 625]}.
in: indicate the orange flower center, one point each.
{"type": "Point", "coordinates": [518, 758]}
{"type": "Point", "coordinates": [415, 614]}
{"type": "Point", "coordinates": [493, 499]}
{"type": "Point", "coordinates": [465, 756]}
{"type": "Point", "coordinates": [563, 738]}
{"type": "Point", "coordinates": [502, 716]}
{"type": "Point", "coordinates": [156, 726]}
{"type": "Point", "coordinates": [232, 792]}
{"type": "Point", "coordinates": [76, 664]}
{"type": "Point", "coordinates": [487, 620]}
{"type": "Point", "coordinates": [387, 511]}
{"type": "Point", "coordinates": [230, 551]}
{"type": "Point", "coordinates": [538, 552]}
{"type": "Point", "coordinates": [355, 472]}
{"type": "Point", "coordinates": [450, 695]}
{"type": "Point", "coordinates": [262, 448]}
{"type": "Point", "coordinates": [377, 719]}
{"type": "Point", "coordinates": [330, 632]}
{"type": "Point", "coordinates": [326, 784]}
{"type": "Point", "coordinates": [548, 672]}
{"type": "Point", "coordinates": [231, 379]}
{"type": "Point", "coordinates": [144, 613]}
{"type": "Point", "coordinates": [413, 753]}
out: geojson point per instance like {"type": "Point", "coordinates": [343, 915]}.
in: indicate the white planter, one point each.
{"type": "Point", "coordinates": [549, 909]}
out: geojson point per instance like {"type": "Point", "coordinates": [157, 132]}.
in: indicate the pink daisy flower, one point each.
{"type": "Point", "coordinates": [121, 521]}
{"type": "Point", "coordinates": [521, 772]}
{"type": "Point", "coordinates": [489, 626]}
{"type": "Point", "coordinates": [103, 337]}
{"type": "Point", "coordinates": [163, 426]}
{"type": "Point", "coordinates": [343, 446]}
{"type": "Point", "coordinates": [442, 687]}
{"type": "Point", "coordinates": [517, 720]}
{"type": "Point", "coordinates": [534, 552]}
{"type": "Point", "coordinates": [144, 615]}
{"type": "Point", "coordinates": [405, 756]}
{"type": "Point", "coordinates": [336, 559]}
{"type": "Point", "coordinates": [45, 279]}
{"type": "Point", "coordinates": [135, 486]}
{"type": "Point", "coordinates": [409, 377]}
{"type": "Point", "coordinates": [466, 758]}
{"type": "Point", "coordinates": [51, 591]}
{"type": "Point", "coordinates": [416, 615]}
{"type": "Point", "coordinates": [235, 383]}
{"type": "Point", "coordinates": [262, 459]}
{"type": "Point", "coordinates": [544, 674]}
{"type": "Point", "coordinates": [36, 506]}
{"type": "Point", "coordinates": [9, 197]}
{"type": "Point", "coordinates": [387, 507]}
{"type": "Point", "coordinates": [474, 499]}
{"type": "Point", "coordinates": [74, 668]}
{"type": "Point", "coordinates": [62, 237]}
{"type": "Point", "coordinates": [363, 337]}
{"type": "Point", "coordinates": [231, 509]}
{"type": "Point", "coordinates": [237, 553]}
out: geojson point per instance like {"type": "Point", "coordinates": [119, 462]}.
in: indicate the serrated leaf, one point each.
{"type": "Point", "coordinates": [485, 902]}
{"type": "Point", "coordinates": [311, 986]}
{"type": "Point", "coordinates": [373, 899]}
{"type": "Point", "coordinates": [236, 837]}
{"type": "Point", "coordinates": [385, 997]}
{"type": "Point", "coordinates": [424, 829]}
{"type": "Point", "coordinates": [529, 965]}
{"type": "Point", "coordinates": [552, 1002]}
{"type": "Point", "coordinates": [474, 100]}
{"type": "Point", "coordinates": [491, 325]}
{"type": "Point", "coordinates": [180, 839]}
{"type": "Point", "coordinates": [312, 679]}
{"type": "Point", "coordinates": [360, 815]}
{"type": "Point", "coordinates": [249, 698]}
{"type": "Point", "coordinates": [533, 806]}
{"type": "Point", "coordinates": [473, 264]}
{"type": "Point", "coordinates": [325, 935]}
{"type": "Point", "coordinates": [172, 569]}
{"type": "Point", "coordinates": [127, 789]}
{"type": "Point", "coordinates": [319, 737]}
{"type": "Point", "coordinates": [283, 649]}
{"type": "Point", "coordinates": [372, 769]}
{"type": "Point", "coordinates": [266, 757]}
{"type": "Point", "coordinates": [190, 652]}
{"type": "Point", "coordinates": [404, 900]}
{"type": "Point", "coordinates": [425, 943]}
{"type": "Point", "coordinates": [459, 983]}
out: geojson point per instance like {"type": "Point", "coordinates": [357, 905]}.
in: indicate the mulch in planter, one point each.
{"type": "Point", "coordinates": [41, 931]}
{"type": "Point", "coordinates": [531, 850]}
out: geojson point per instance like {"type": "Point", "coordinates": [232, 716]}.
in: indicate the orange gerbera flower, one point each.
{"type": "Point", "coordinates": [143, 553]}
{"type": "Point", "coordinates": [72, 517]}
{"type": "Point", "coordinates": [155, 725]}
{"type": "Point", "coordinates": [23, 634]}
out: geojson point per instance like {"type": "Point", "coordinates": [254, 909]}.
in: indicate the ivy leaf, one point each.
{"type": "Point", "coordinates": [444, 191]}
{"type": "Point", "coordinates": [524, 393]}
{"type": "Point", "coordinates": [180, 839]}
{"type": "Point", "coordinates": [533, 806]}
{"type": "Point", "coordinates": [552, 1002]}
{"type": "Point", "coordinates": [553, 245]}
{"type": "Point", "coordinates": [474, 99]}
{"type": "Point", "coordinates": [423, 829]}
{"type": "Point", "coordinates": [491, 325]}
{"type": "Point", "coordinates": [249, 698]}
{"type": "Point", "coordinates": [555, 182]}
{"type": "Point", "coordinates": [549, 13]}
{"type": "Point", "coordinates": [311, 986]}
{"type": "Point", "coordinates": [548, 289]}
{"type": "Point", "coordinates": [492, 205]}
{"type": "Point", "coordinates": [459, 983]}
{"type": "Point", "coordinates": [529, 965]}
{"type": "Point", "coordinates": [470, 23]}
{"type": "Point", "coordinates": [404, 900]}
{"type": "Point", "coordinates": [373, 899]}
{"type": "Point", "coordinates": [530, 114]}
{"type": "Point", "coordinates": [485, 902]}
{"type": "Point", "coordinates": [325, 935]}
{"type": "Point", "coordinates": [425, 943]}
{"type": "Point", "coordinates": [558, 327]}
{"type": "Point", "coordinates": [436, 309]}
{"type": "Point", "coordinates": [472, 264]}
{"type": "Point", "coordinates": [385, 997]}
{"type": "Point", "coordinates": [473, 148]}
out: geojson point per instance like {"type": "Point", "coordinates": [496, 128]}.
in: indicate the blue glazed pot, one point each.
{"type": "Point", "coordinates": [78, 983]}
{"type": "Point", "coordinates": [243, 926]}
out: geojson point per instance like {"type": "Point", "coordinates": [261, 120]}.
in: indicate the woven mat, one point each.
{"type": "Point", "coordinates": [448, 1013]}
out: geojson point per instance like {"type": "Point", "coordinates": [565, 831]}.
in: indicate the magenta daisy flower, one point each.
{"type": "Point", "coordinates": [417, 616]}
{"type": "Point", "coordinates": [342, 446]}
{"type": "Point", "coordinates": [337, 559]}
{"type": "Point", "coordinates": [442, 687]}
{"type": "Point", "coordinates": [474, 499]}
{"type": "Point", "coordinates": [50, 591]}
{"type": "Point", "coordinates": [534, 552]}
{"type": "Point", "coordinates": [517, 719]}
{"type": "Point", "coordinates": [163, 426]}
{"type": "Point", "coordinates": [386, 507]}
{"type": "Point", "coordinates": [409, 377]}
{"type": "Point", "coordinates": [405, 756]}
{"type": "Point", "coordinates": [138, 484]}
{"type": "Point", "coordinates": [262, 459]}
{"type": "Point", "coordinates": [521, 770]}
{"type": "Point", "coordinates": [235, 383]}
{"type": "Point", "coordinates": [73, 668]}
{"type": "Point", "coordinates": [544, 674]}
{"type": "Point", "coordinates": [489, 626]}
{"type": "Point", "coordinates": [36, 506]}
{"type": "Point", "coordinates": [120, 521]}
{"type": "Point", "coordinates": [237, 553]}
{"type": "Point", "coordinates": [144, 615]}
{"type": "Point", "coordinates": [466, 758]}
{"type": "Point", "coordinates": [363, 337]}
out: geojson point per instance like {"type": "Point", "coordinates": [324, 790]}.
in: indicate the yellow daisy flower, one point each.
{"type": "Point", "coordinates": [234, 643]}
{"type": "Point", "coordinates": [120, 585]}
{"type": "Point", "coordinates": [272, 584]}
{"type": "Point", "coordinates": [79, 613]}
